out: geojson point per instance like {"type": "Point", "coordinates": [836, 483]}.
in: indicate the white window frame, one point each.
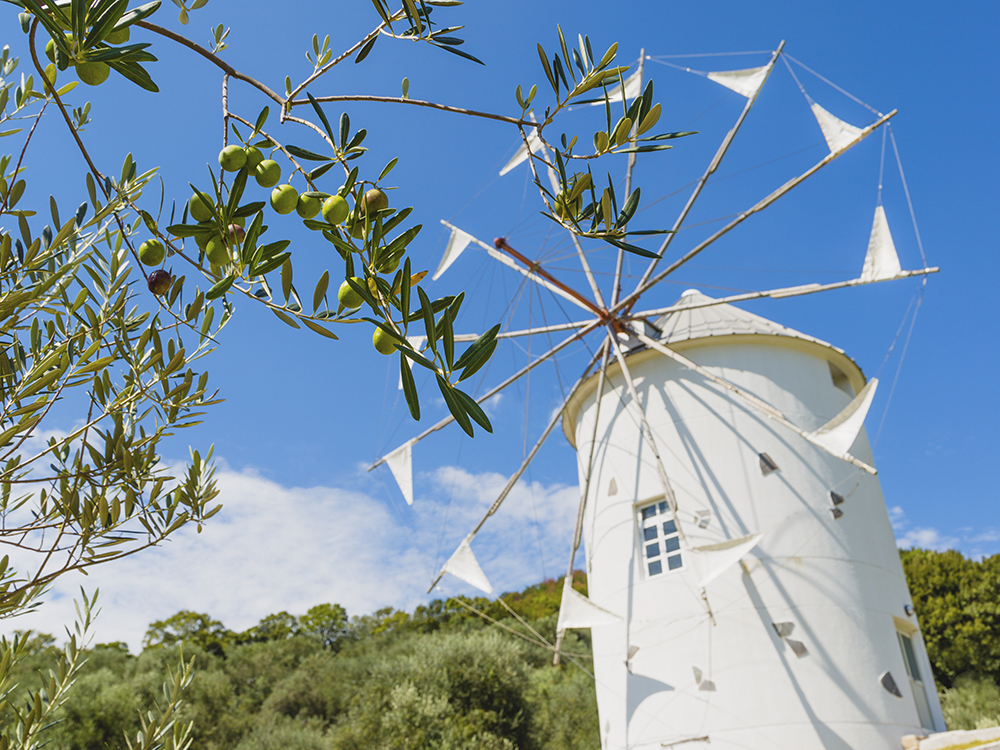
{"type": "Point", "coordinates": [661, 538]}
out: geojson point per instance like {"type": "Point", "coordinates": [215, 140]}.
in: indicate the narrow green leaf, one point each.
{"type": "Point", "coordinates": [286, 279]}
{"type": "Point", "coordinates": [318, 328]}
{"type": "Point", "coordinates": [460, 53]}
{"type": "Point", "coordinates": [428, 313]}
{"type": "Point", "coordinates": [409, 387]}
{"type": "Point", "coordinates": [365, 50]}
{"type": "Point", "coordinates": [303, 153]}
{"type": "Point", "coordinates": [285, 318]}
{"type": "Point", "coordinates": [480, 359]}
{"type": "Point", "coordinates": [631, 248]}
{"type": "Point", "coordinates": [388, 168]}
{"type": "Point", "coordinates": [320, 292]}
{"type": "Point", "coordinates": [404, 293]}
{"type": "Point", "coordinates": [456, 407]}
{"type": "Point", "coordinates": [477, 346]}
{"type": "Point", "coordinates": [473, 409]}
{"type": "Point", "coordinates": [322, 116]}
{"type": "Point", "coordinates": [220, 287]}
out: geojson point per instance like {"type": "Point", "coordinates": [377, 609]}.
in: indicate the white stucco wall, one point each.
{"type": "Point", "coordinates": [839, 581]}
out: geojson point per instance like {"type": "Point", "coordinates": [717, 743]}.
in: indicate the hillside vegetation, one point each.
{"type": "Point", "coordinates": [444, 676]}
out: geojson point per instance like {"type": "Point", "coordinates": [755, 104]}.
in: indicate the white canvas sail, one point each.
{"type": "Point", "coordinates": [463, 565]}
{"type": "Point", "coordinates": [839, 434]}
{"type": "Point", "coordinates": [712, 560]}
{"type": "Point", "coordinates": [457, 242]}
{"type": "Point", "coordinates": [744, 82]}
{"type": "Point", "coordinates": [838, 134]}
{"type": "Point", "coordinates": [577, 611]}
{"type": "Point", "coordinates": [400, 463]}
{"type": "Point", "coordinates": [881, 260]}
{"type": "Point", "coordinates": [633, 87]}
{"type": "Point", "coordinates": [521, 154]}
{"type": "Point", "coordinates": [417, 342]}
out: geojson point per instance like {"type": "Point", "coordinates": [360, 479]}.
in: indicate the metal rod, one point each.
{"type": "Point", "coordinates": [524, 464]}
{"type": "Point", "coordinates": [540, 279]}
{"type": "Point", "coordinates": [569, 292]}
{"type": "Point", "coordinates": [759, 206]}
{"type": "Point", "coordinates": [782, 292]}
{"type": "Point", "coordinates": [586, 269]}
{"type": "Point", "coordinates": [523, 371]}
{"type": "Point", "coordinates": [527, 331]}
{"type": "Point", "coordinates": [578, 531]}
{"type": "Point", "coordinates": [668, 491]}
{"type": "Point", "coordinates": [764, 408]}
{"type": "Point", "coordinates": [712, 167]}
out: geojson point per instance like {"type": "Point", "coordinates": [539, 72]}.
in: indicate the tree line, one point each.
{"type": "Point", "coordinates": [454, 673]}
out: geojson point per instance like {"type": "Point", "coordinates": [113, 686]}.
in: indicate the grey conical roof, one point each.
{"type": "Point", "coordinates": [697, 320]}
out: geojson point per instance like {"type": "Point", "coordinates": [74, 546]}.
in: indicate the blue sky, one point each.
{"type": "Point", "coordinates": [303, 416]}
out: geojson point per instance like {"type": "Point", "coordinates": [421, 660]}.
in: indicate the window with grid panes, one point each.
{"type": "Point", "coordinates": [660, 538]}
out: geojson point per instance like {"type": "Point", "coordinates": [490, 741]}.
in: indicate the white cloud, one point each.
{"type": "Point", "coordinates": [923, 537]}
{"type": "Point", "coordinates": [927, 538]}
{"type": "Point", "coordinates": [276, 548]}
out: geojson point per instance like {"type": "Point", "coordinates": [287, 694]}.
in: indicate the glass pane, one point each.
{"type": "Point", "coordinates": [652, 550]}
{"type": "Point", "coordinates": [649, 512]}
{"type": "Point", "coordinates": [911, 658]}
{"type": "Point", "coordinates": [670, 527]}
{"type": "Point", "coordinates": [672, 544]}
{"type": "Point", "coordinates": [649, 533]}
{"type": "Point", "coordinates": [663, 507]}
{"type": "Point", "coordinates": [655, 567]}
{"type": "Point", "coordinates": [674, 562]}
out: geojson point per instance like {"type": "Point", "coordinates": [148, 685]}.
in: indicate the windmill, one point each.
{"type": "Point", "coordinates": [744, 586]}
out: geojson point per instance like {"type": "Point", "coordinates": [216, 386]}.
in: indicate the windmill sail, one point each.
{"type": "Point", "coordinates": [577, 611]}
{"type": "Point", "coordinates": [839, 434]}
{"type": "Point", "coordinates": [715, 559]}
{"type": "Point", "coordinates": [881, 261]}
{"type": "Point", "coordinates": [633, 87]}
{"type": "Point", "coordinates": [744, 82]}
{"type": "Point", "coordinates": [463, 565]}
{"type": "Point", "coordinates": [457, 242]}
{"type": "Point", "coordinates": [837, 133]}
{"type": "Point", "coordinates": [400, 463]}
{"type": "Point", "coordinates": [521, 154]}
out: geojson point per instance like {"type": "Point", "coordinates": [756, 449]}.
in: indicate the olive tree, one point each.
{"type": "Point", "coordinates": [81, 329]}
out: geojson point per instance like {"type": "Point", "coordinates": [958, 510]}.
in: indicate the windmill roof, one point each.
{"type": "Point", "coordinates": [699, 318]}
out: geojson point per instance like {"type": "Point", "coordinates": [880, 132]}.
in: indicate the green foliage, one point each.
{"type": "Point", "coordinates": [440, 677]}
{"type": "Point", "coordinates": [957, 601]}
{"type": "Point", "coordinates": [973, 703]}
{"type": "Point", "coordinates": [191, 628]}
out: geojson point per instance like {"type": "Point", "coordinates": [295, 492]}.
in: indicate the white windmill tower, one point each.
{"type": "Point", "coordinates": [744, 584]}
{"type": "Point", "coordinates": [760, 599]}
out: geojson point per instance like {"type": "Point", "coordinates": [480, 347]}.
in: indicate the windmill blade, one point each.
{"type": "Point", "coordinates": [782, 292]}
{"type": "Point", "coordinates": [511, 263]}
{"type": "Point", "coordinates": [492, 392]}
{"type": "Point", "coordinates": [616, 284]}
{"type": "Point", "coordinates": [647, 432]}
{"type": "Point", "coordinates": [556, 417]}
{"type": "Point", "coordinates": [764, 408]}
{"type": "Point", "coordinates": [465, 337]}
{"type": "Point", "coordinates": [713, 165]}
{"type": "Point", "coordinates": [757, 207]}
{"type": "Point", "coordinates": [647, 435]}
